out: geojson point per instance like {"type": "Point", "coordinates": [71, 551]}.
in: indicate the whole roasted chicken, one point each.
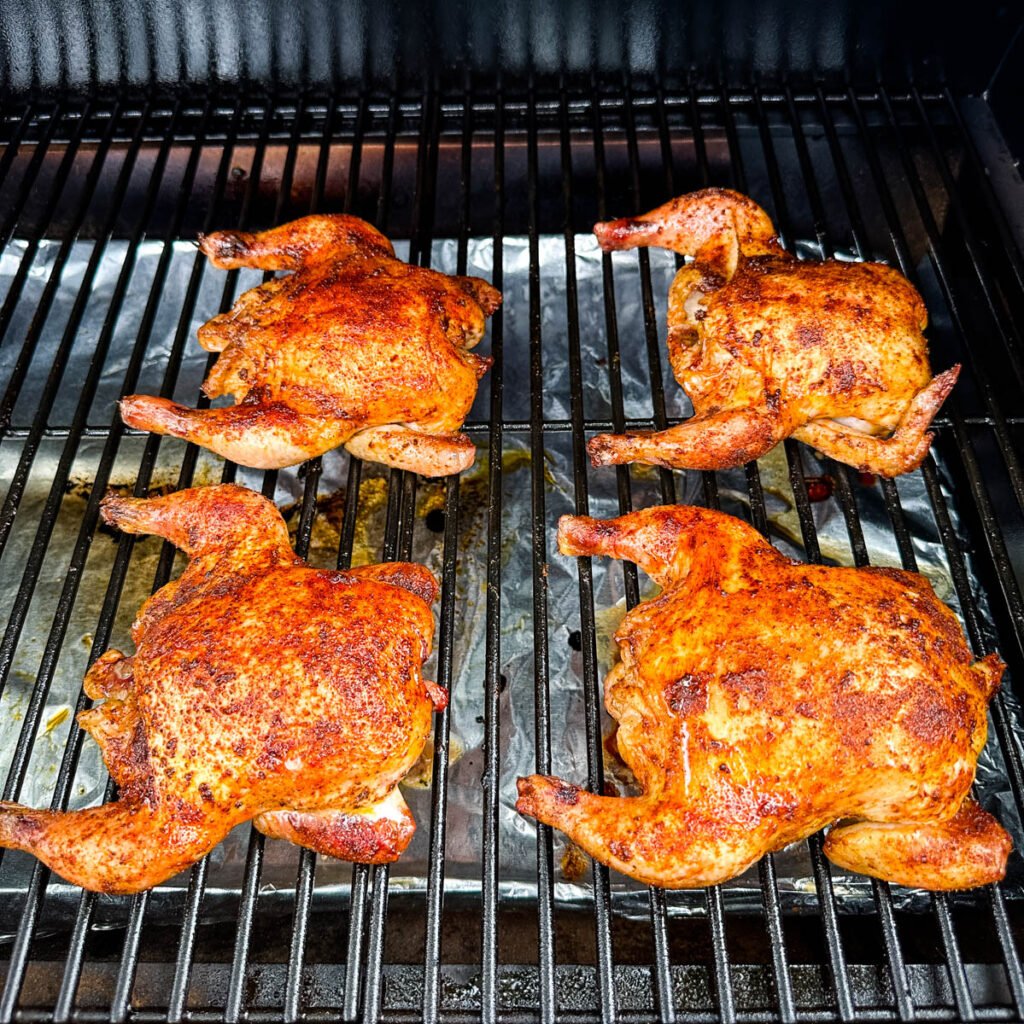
{"type": "Point", "coordinates": [354, 347]}
{"type": "Point", "coordinates": [759, 700]}
{"type": "Point", "coordinates": [767, 347]}
{"type": "Point", "coordinates": [260, 688]}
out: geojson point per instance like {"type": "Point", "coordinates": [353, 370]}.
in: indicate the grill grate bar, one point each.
{"type": "Point", "coordinates": [759, 517]}
{"type": "Point", "coordinates": [401, 511]}
{"type": "Point", "coordinates": [1006, 447]}
{"type": "Point", "coordinates": [954, 962]}
{"type": "Point", "coordinates": [20, 605]}
{"type": "Point", "coordinates": [13, 216]}
{"type": "Point", "coordinates": [538, 528]}
{"type": "Point", "coordinates": [993, 536]}
{"type": "Point", "coordinates": [72, 750]}
{"type": "Point", "coordinates": [489, 853]}
{"type": "Point", "coordinates": [880, 890]}
{"type": "Point", "coordinates": [647, 300]}
{"type": "Point", "coordinates": [591, 695]}
{"type": "Point", "coordinates": [11, 150]}
{"type": "Point", "coordinates": [19, 764]}
{"type": "Point", "coordinates": [346, 540]}
{"type": "Point", "coordinates": [14, 492]}
{"type": "Point", "coordinates": [1008, 948]}
{"type": "Point", "coordinates": [73, 965]}
{"type": "Point", "coordinates": [234, 1006]}
{"type": "Point", "coordinates": [984, 269]}
{"type": "Point", "coordinates": [254, 855]}
{"type": "Point", "coordinates": [996, 212]}
{"type": "Point", "coordinates": [446, 679]}
{"type": "Point", "coordinates": [822, 874]}
{"type": "Point", "coordinates": [372, 883]}
{"type": "Point", "coordinates": [363, 886]}
{"type": "Point", "coordinates": [304, 882]}
{"type": "Point", "coordinates": [34, 333]}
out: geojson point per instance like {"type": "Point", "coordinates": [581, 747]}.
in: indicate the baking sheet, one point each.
{"type": "Point", "coordinates": [517, 741]}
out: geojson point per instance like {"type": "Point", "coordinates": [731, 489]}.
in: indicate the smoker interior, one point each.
{"type": "Point", "coordinates": [917, 178]}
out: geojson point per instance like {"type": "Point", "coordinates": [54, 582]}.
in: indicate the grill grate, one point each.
{"type": "Point", "coordinates": [890, 174]}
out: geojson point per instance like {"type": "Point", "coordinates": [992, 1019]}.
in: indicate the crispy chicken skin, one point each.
{"type": "Point", "coordinates": [260, 689]}
{"type": "Point", "coordinates": [354, 347]}
{"type": "Point", "coordinates": [760, 699]}
{"type": "Point", "coordinates": [767, 347]}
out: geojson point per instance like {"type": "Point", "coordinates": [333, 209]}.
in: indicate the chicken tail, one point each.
{"type": "Point", "coordinates": [688, 223]}
{"type": "Point", "coordinates": [115, 848]}
{"type": "Point", "coordinates": [651, 840]}
{"type": "Point", "coordinates": [202, 519]}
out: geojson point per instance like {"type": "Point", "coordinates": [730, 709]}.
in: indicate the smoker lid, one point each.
{"type": "Point", "coordinates": [405, 45]}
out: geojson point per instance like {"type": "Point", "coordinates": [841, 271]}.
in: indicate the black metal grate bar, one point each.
{"type": "Point", "coordinates": [489, 854]}
{"type": "Point", "coordinates": [538, 538]}
{"type": "Point", "coordinates": [810, 187]}
{"type": "Point", "coordinates": [595, 774]}
{"type": "Point", "coordinates": [886, 173]}
{"type": "Point", "coordinates": [432, 948]}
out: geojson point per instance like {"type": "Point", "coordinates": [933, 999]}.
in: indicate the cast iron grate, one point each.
{"type": "Point", "coordinates": [890, 174]}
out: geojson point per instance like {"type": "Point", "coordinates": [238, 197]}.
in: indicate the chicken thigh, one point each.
{"type": "Point", "coordinates": [354, 347]}
{"type": "Point", "coordinates": [759, 700]}
{"type": "Point", "coordinates": [768, 347]}
{"type": "Point", "coordinates": [260, 689]}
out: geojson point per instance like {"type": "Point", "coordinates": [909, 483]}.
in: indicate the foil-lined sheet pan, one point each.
{"type": "Point", "coordinates": [517, 740]}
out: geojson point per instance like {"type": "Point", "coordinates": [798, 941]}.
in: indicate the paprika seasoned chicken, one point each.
{"type": "Point", "coordinates": [354, 347]}
{"type": "Point", "coordinates": [260, 689]}
{"type": "Point", "coordinates": [759, 700]}
{"type": "Point", "coordinates": [768, 347]}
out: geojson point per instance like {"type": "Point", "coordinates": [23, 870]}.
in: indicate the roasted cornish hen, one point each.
{"type": "Point", "coordinates": [354, 347]}
{"type": "Point", "coordinates": [759, 699]}
{"type": "Point", "coordinates": [768, 347]}
{"type": "Point", "coordinates": [260, 688]}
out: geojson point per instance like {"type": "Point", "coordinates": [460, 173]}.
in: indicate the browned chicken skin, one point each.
{"type": "Point", "coordinates": [354, 347]}
{"type": "Point", "coordinates": [759, 700]}
{"type": "Point", "coordinates": [260, 688]}
{"type": "Point", "coordinates": [767, 347]}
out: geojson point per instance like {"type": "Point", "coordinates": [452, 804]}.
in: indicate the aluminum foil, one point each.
{"type": "Point", "coordinates": [517, 730]}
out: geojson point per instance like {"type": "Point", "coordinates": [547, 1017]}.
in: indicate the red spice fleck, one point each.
{"type": "Point", "coordinates": [819, 488]}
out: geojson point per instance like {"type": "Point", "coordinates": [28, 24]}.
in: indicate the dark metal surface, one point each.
{"type": "Point", "coordinates": [884, 174]}
{"type": "Point", "coordinates": [66, 45]}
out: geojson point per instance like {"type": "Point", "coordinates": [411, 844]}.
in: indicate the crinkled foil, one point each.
{"type": "Point", "coordinates": [517, 842]}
